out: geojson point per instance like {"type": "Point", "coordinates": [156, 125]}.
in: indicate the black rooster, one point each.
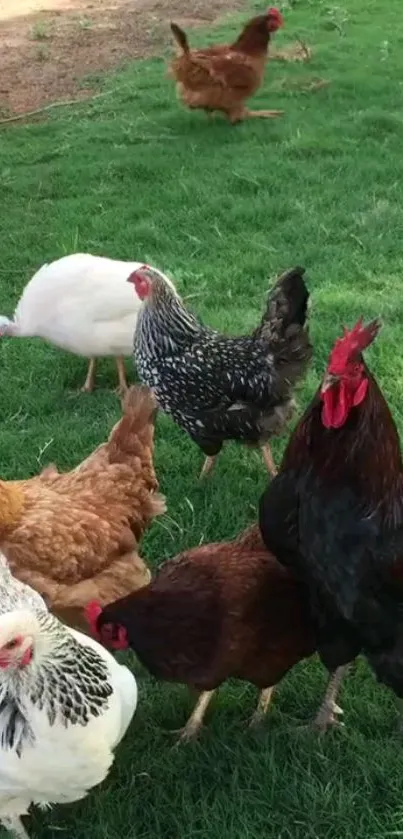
{"type": "Point", "coordinates": [334, 514]}
{"type": "Point", "coordinates": [215, 387]}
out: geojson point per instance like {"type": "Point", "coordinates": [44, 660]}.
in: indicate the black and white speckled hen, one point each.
{"type": "Point", "coordinates": [65, 704]}
{"type": "Point", "coordinates": [217, 387]}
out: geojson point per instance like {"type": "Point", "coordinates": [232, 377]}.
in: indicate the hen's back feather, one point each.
{"type": "Point", "coordinates": [81, 303]}
{"type": "Point", "coordinates": [78, 532]}
{"type": "Point", "coordinates": [216, 611]}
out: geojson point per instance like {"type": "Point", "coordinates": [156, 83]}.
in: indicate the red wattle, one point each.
{"type": "Point", "coordinates": [92, 612]}
{"type": "Point", "coordinates": [336, 405]}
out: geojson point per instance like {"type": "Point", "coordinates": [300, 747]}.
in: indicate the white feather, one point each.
{"type": "Point", "coordinates": [81, 303]}
{"type": "Point", "coordinates": [62, 762]}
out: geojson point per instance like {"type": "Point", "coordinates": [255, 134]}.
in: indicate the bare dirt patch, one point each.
{"type": "Point", "coordinates": [53, 50]}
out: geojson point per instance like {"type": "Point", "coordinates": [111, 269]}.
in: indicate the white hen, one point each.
{"type": "Point", "coordinates": [65, 704]}
{"type": "Point", "coordinates": [82, 304]}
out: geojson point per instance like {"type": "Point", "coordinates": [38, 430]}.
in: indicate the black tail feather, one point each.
{"type": "Point", "coordinates": [291, 287]}
{"type": "Point", "coordinates": [180, 37]}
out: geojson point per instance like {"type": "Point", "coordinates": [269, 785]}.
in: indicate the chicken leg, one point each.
{"type": "Point", "coordinates": [264, 701]}
{"type": "Point", "coordinates": [266, 454]}
{"type": "Point", "coordinates": [121, 375]}
{"type": "Point", "coordinates": [207, 467]}
{"type": "Point", "coordinates": [195, 721]}
{"type": "Point", "coordinates": [88, 385]}
{"type": "Point", "coordinates": [269, 461]}
{"type": "Point", "coordinates": [329, 711]}
{"type": "Point", "coordinates": [15, 826]}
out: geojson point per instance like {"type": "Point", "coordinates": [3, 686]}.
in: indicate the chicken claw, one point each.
{"type": "Point", "coordinates": [329, 712]}
{"type": "Point", "coordinates": [195, 721]}
{"type": "Point", "coordinates": [327, 717]}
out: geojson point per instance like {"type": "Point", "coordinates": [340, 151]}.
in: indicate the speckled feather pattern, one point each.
{"type": "Point", "coordinates": [70, 686]}
{"type": "Point", "coordinates": [17, 595]}
{"type": "Point", "coordinates": [63, 710]}
{"type": "Point", "coordinates": [217, 387]}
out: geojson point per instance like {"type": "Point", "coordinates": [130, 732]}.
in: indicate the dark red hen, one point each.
{"type": "Point", "coordinates": [215, 612]}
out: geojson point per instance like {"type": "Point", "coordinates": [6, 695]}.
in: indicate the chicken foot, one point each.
{"type": "Point", "coordinates": [15, 826]}
{"type": "Point", "coordinates": [245, 113]}
{"type": "Point", "coordinates": [195, 721]}
{"type": "Point", "coordinates": [329, 712]}
{"type": "Point", "coordinates": [88, 385]}
{"type": "Point", "coordinates": [262, 114]}
{"type": "Point", "coordinates": [264, 701]}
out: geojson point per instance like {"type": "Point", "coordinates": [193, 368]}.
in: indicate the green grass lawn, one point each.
{"type": "Point", "coordinates": [134, 176]}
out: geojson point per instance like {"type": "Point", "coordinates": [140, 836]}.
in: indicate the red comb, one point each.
{"type": "Point", "coordinates": [133, 274]}
{"type": "Point", "coordinates": [353, 342]}
{"type": "Point", "coordinates": [273, 12]}
{"type": "Point", "coordinates": [92, 612]}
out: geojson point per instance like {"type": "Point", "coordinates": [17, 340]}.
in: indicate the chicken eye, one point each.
{"type": "Point", "coordinates": [11, 645]}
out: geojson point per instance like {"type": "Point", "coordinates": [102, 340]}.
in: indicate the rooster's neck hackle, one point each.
{"type": "Point", "coordinates": [365, 451]}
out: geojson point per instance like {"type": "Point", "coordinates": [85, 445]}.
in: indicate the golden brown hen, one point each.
{"type": "Point", "coordinates": [74, 536]}
{"type": "Point", "coordinates": [223, 77]}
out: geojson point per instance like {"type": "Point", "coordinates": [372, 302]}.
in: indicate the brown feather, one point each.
{"type": "Point", "coordinates": [75, 535]}
{"type": "Point", "coordinates": [218, 611]}
{"type": "Point", "coordinates": [222, 77]}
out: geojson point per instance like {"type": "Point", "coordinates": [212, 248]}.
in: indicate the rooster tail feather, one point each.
{"type": "Point", "coordinates": [180, 38]}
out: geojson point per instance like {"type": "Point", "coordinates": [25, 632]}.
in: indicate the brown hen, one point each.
{"type": "Point", "coordinates": [74, 536]}
{"type": "Point", "coordinates": [223, 77]}
{"type": "Point", "coordinates": [215, 612]}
